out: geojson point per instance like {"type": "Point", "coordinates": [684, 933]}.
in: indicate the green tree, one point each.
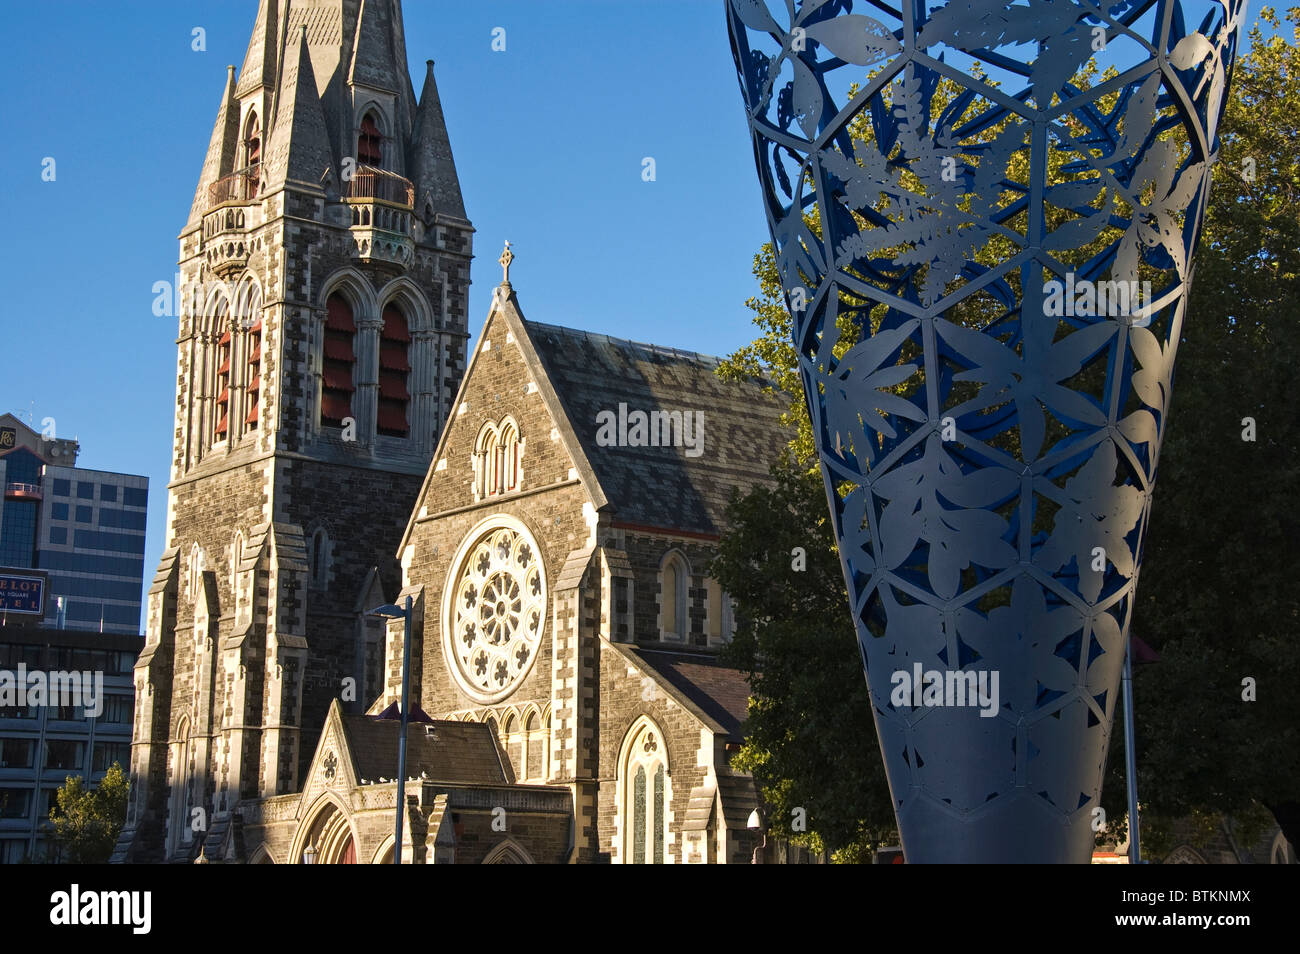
{"type": "Point", "coordinates": [87, 822]}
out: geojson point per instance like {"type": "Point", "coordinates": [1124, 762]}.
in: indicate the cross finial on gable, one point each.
{"type": "Point", "coordinates": [506, 258]}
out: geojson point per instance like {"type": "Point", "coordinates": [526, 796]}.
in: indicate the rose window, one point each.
{"type": "Point", "coordinates": [498, 612]}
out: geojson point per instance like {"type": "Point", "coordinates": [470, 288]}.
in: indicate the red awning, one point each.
{"type": "Point", "coordinates": [393, 356]}
{"type": "Point", "coordinates": [392, 386]}
{"type": "Point", "coordinates": [255, 327]}
{"type": "Point", "coordinates": [394, 325]}
{"type": "Point", "coordinates": [224, 339]}
{"type": "Point", "coordinates": [225, 396]}
{"type": "Point", "coordinates": [225, 365]}
{"type": "Point", "coordinates": [257, 353]}
{"type": "Point", "coordinates": [392, 417]}
{"type": "Point", "coordinates": [335, 406]}
{"type": "Point", "coordinates": [257, 383]}
{"type": "Point", "coordinates": [252, 416]}
{"type": "Point", "coordinates": [337, 379]}
{"type": "Point", "coordinates": [338, 350]}
{"type": "Point", "coordinates": [221, 425]}
{"type": "Point", "coordinates": [338, 314]}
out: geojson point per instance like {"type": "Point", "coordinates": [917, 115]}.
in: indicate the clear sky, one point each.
{"type": "Point", "coordinates": [548, 136]}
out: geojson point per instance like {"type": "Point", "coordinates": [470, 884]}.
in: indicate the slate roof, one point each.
{"type": "Point", "coordinates": [661, 486]}
{"type": "Point", "coordinates": [459, 752]}
{"type": "Point", "coordinates": [717, 690]}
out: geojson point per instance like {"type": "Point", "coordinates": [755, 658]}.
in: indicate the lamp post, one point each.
{"type": "Point", "coordinates": [755, 824]}
{"type": "Point", "coordinates": [309, 855]}
{"type": "Point", "coordinates": [393, 611]}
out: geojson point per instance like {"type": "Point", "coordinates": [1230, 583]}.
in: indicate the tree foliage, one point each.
{"type": "Point", "coordinates": [87, 822]}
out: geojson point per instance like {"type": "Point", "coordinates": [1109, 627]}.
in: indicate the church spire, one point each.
{"type": "Point", "coordinates": [437, 189]}
{"type": "Point", "coordinates": [372, 56]}
{"type": "Point", "coordinates": [299, 149]}
{"type": "Point", "coordinates": [259, 62]}
{"type": "Point", "coordinates": [222, 148]}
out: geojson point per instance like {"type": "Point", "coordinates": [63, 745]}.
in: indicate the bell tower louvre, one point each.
{"type": "Point", "coordinates": [324, 272]}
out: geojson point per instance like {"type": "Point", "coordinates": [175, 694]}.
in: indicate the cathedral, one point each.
{"type": "Point", "coordinates": [548, 504]}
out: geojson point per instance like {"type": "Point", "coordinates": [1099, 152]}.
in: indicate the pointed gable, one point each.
{"type": "Point", "coordinates": [299, 149]}
{"type": "Point", "coordinates": [222, 148]}
{"type": "Point", "coordinates": [433, 170]}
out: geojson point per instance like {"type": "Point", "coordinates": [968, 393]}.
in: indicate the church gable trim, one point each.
{"type": "Point", "coordinates": [505, 308]}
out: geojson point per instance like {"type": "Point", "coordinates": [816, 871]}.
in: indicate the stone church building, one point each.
{"type": "Point", "coordinates": [550, 505]}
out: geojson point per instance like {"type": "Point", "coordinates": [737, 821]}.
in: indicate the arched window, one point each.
{"type": "Point", "coordinates": [180, 830]}
{"type": "Point", "coordinates": [674, 576]}
{"type": "Point", "coordinates": [370, 149]}
{"type": "Point", "coordinates": [224, 344]}
{"type": "Point", "coordinates": [236, 558]}
{"type": "Point", "coordinates": [318, 556]}
{"type": "Point", "coordinates": [194, 571]}
{"type": "Point", "coordinates": [252, 321]}
{"type": "Point", "coordinates": [339, 356]}
{"type": "Point", "coordinates": [535, 737]}
{"type": "Point", "coordinates": [394, 373]}
{"type": "Point", "coordinates": [498, 454]}
{"type": "Point", "coordinates": [514, 742]}
{"type": "Point", "coordinates": [252, 155]}
{"type": "Point", "coordinates": [509, 456]}
{"type": "Point", "coordinates": [718, 614]}
{"type": "Point", "coordinates": [645, 795]}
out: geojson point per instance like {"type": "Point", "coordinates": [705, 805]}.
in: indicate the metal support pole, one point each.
{"type": "Point", "coordinates": [401, 739]}
{"type": "Point", "coordinates": [1130, 759]}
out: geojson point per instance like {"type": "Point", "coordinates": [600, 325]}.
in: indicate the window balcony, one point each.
{"type": "Point", "coordinates": [369, 184]}
{"type": "Point", "coordinates": [240, 187]}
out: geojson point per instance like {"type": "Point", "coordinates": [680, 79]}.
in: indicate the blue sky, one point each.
{"type": "Point", "coordinates": [549, 138]}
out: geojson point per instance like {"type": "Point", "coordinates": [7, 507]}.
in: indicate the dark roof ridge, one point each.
{"type": "Point", "coordinates": [649, 346]}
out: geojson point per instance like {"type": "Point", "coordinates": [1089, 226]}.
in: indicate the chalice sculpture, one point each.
{"type": "Point", "coordinates": [983, 216]}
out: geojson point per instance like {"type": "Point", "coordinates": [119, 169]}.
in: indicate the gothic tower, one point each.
{"type": "Point", "coordinates": [324, 277]}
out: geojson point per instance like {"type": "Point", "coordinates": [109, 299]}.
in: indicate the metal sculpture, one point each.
{"type": "Point", "coordinates": [983, 217]}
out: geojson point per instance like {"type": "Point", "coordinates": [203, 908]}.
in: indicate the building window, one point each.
{"type": "Point", "coordinates": [236, 558]}
{"type": "Point", "coordinates": [318, 555]}
{"type": "Point", "coordinates": [85, 515]}
{"type": "Point", "coordinates": [85, 490]}
{"type": "Point", "coordinates": [62, 488]}
{"type": "Point", "coordinates": [718, 618]}
{"type": "Point", "coordinates": [645, 795]}
{"type": "Point", "coordinates": [108, 493]}
{"type": "Point", "coordinates": [394, 373]}
{"type": "Point", "coordinates": [223, 379]}
{"type": "Point", "coordinates": [537, 754]}
{"type": "Point", "coordinates": [15, 802]}
{"type": "Point", "coordinates": [370, 150]}
{"type": "Point", "coordinates": [59, 535]}
{"type": "Point", "coordinates": [252, 154]}
{"type": "Point", "coordinates": [194, 571]}
{"type": "Point", "coordinates": [65, 755]}
{"type": "Point", "coordinates": [16, 753]}
{"type": "Point", "coordinates": [674, 576]}
{"type": "Point", "coordinates": [498, 454]}
{"type": "Point", "coordinates": [337, 385]}
{"type": "Point", "coordinates": [252, 320]}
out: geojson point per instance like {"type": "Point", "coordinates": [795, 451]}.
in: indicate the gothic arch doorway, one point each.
{"type": "Point", "coordinates": [330, 833]}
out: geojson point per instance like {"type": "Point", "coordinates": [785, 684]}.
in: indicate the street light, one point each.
{"type": "Point", "coordinates": [755, 824]}
{"type": "Point", "coordinates": [309, 855]}
{"type": "Point", "coordinates": [393, 611]}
